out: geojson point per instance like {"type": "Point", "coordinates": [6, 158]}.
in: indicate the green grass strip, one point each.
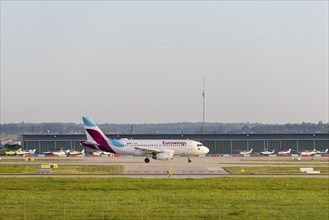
{"type": "Point", "coordinates": [62, 169]}
{"type": "Point", "coordinates": [273, 169]}
{"type": "Point", "coordinates": [124, 198]}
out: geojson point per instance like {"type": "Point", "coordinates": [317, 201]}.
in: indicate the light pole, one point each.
{"type": "Point", "coordinates": [247, 142]}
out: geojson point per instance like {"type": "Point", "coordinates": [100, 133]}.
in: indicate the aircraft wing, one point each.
{"type": "Point", "coordinates": [148, 150]}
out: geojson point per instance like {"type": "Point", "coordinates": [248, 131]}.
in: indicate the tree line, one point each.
{"type": "Point", "coordinates": [166, 128]}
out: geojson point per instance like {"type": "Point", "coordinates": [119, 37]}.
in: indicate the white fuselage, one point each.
{"type": "Point", "coordinates": [246, 152]}
{"type": "Point", "coordinates": [178, 147]}
{"type": "Point", "coordinates": [308, 153]}
{"type": "Point", "coordinates": [59, 153]}
{"type": "Point", "coordinates": [267, 152]}
{"type": "Point", "coordinates": [284, 152]}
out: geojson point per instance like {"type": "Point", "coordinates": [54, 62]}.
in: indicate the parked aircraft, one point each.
{"type": "Point", "coordinates": [267, 152]}
{"type": "Point", "coordinates": [58, 153]}
{"type": "Point", "coordinates": [97, 153]}
{"type": "Point", "coordinates": [156, 149]}
{"type": "Point", "coordinates": [100, 153]}
{"type": "Point", "coordinates": [75, 153]}
{"type": "Point", "coordinates": [308, 153]}
{"type": "Point", "coordinates": [323, 152]}
{"type": "Point", "coordinates": [285, 152]}
{"type": "Point", "coordinates": [22, 153]}
{"type": "Point", "coordinates": [10, 153]}
{"type": "Point", "coordinates": [246, 152]}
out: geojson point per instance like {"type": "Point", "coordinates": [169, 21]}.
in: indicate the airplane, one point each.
{"type": "Point", "coordinates": [10, 153]}
{"type": "Point", "coordinates": [97, 153]}
{"type": "Point", "coordinates": [22, 153]}
{"type": "Point", "coordinates": [58, 153]}
{"type": "Point", "coordinates": [75, 153]}
{"type": "Point", "coordinates": [323, 152]}
{"type": "Point", "coordinates": [100, 153]}
{"type": "Point", "coordinates": [308, 153]}
{"type": "Point", "coordinates": [246, 152]}
{"type": "Point", "coordinates": [285, 152]}
{"type": "Point", "coordinates": [267, 152]}
{"type": "Point", "coordinates": [156, 149]}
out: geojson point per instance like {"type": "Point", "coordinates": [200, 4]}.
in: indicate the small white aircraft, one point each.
{"type": "Point", "coordinates": [246, 152]}
{"type": "Point", "coordinates": [58, 153]}
{"type": "Point", "coordinates": [100, 153]}
{"type": "Point", "coordinates": [267, 152]}
{"type": "Point", "coordinates": [97, 153]}
{"type": "Point", "coordinates": [323, 152]}
{"type": "Point", "coordinates": [22, 153]}
{"type": "Point", "coordinates": [75, 153]}
{"type": "Point", "coordinates": [285, 152]}
{"type": "Point", "coordinates": [308, 153]}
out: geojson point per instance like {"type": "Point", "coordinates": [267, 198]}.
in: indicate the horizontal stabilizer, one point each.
{"type": "Point", "coordinates": [89, 144]}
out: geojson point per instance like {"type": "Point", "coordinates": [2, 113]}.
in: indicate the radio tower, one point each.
{"type": "Point", "coordinates": [204, 99]}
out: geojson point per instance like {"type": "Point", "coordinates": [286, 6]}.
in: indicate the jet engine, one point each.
{"type": "Point", "coordinates": [163, 155]}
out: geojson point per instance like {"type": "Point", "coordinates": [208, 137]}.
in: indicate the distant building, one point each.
{"type": "Point", "coordinates": [217, 143]}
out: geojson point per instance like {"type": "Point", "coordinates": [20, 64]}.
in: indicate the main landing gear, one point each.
{"type": "Point", "coordinates": [147, 160]}
{"type": "Point", "coordinates": [188, 159]}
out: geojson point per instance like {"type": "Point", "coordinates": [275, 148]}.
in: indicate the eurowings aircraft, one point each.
{"type": "Point", "coordinates": [246, 152]}
{"type": "Point", "coordinates": [156, 149]}
{"type": "Point", "coordinates": [285, 152]}
{"type": "Point", "coordinates": [268, 152]}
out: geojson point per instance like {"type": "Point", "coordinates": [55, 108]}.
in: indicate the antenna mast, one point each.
{"type": "Point", "coordinates": [204, 99]}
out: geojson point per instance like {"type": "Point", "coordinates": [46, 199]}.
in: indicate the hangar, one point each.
{"type": "Point", "coordinates": [217, 143]}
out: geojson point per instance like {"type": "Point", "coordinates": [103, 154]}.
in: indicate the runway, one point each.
{"type": "Point", "coordinates": [181, 176]}
{"type": "Point", "coordinates": [135, 167]}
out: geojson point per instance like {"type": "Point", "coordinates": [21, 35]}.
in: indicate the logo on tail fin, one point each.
{"type": "Point", "coordinates": [96, 136]}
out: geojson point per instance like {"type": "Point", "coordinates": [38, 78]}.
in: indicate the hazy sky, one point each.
{"type": "Point", "coordinates": [144, 61]}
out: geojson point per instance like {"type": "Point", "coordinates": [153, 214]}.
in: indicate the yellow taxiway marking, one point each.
{"type": "Point", "coordinates": [170, 167]}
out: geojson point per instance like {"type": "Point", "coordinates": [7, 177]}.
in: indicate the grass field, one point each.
{"type": "Point", "coordinates": [123, 198]}
{"type": "Point", "coordinates": [62, 169]}
{"type": "Point", "coordinates": [41, 159]}
{"type": "Point", "coordinates": [288, 159]}
{"type": "Point", "coordinates": [272, 169]}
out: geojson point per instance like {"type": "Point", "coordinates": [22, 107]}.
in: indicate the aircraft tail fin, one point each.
{"type": "Point", "coordinates": [95, 135]}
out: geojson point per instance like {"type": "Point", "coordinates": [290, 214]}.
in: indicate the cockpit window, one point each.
{"type": "Point", "coordinates": [199, 145]}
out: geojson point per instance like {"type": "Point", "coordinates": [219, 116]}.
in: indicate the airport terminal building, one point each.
{"type": "Point", "coordinates": [217, 143]}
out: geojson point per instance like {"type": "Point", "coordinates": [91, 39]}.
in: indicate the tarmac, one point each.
{"type": "Point", "coordinates": [135, 167]}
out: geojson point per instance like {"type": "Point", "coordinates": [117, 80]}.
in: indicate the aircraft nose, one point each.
{"type": "Point", "coordinates": [206, 150]}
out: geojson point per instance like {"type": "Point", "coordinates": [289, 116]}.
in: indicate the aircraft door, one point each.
{"type": "Point", "coordinates": [189, 146]}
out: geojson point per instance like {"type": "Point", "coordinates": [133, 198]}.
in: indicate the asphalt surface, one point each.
{"type": "Point", "coordinates": [200, 167]}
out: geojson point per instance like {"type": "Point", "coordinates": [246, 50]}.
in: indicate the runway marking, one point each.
{"type": "Point", "coordinates": [170, 167]}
